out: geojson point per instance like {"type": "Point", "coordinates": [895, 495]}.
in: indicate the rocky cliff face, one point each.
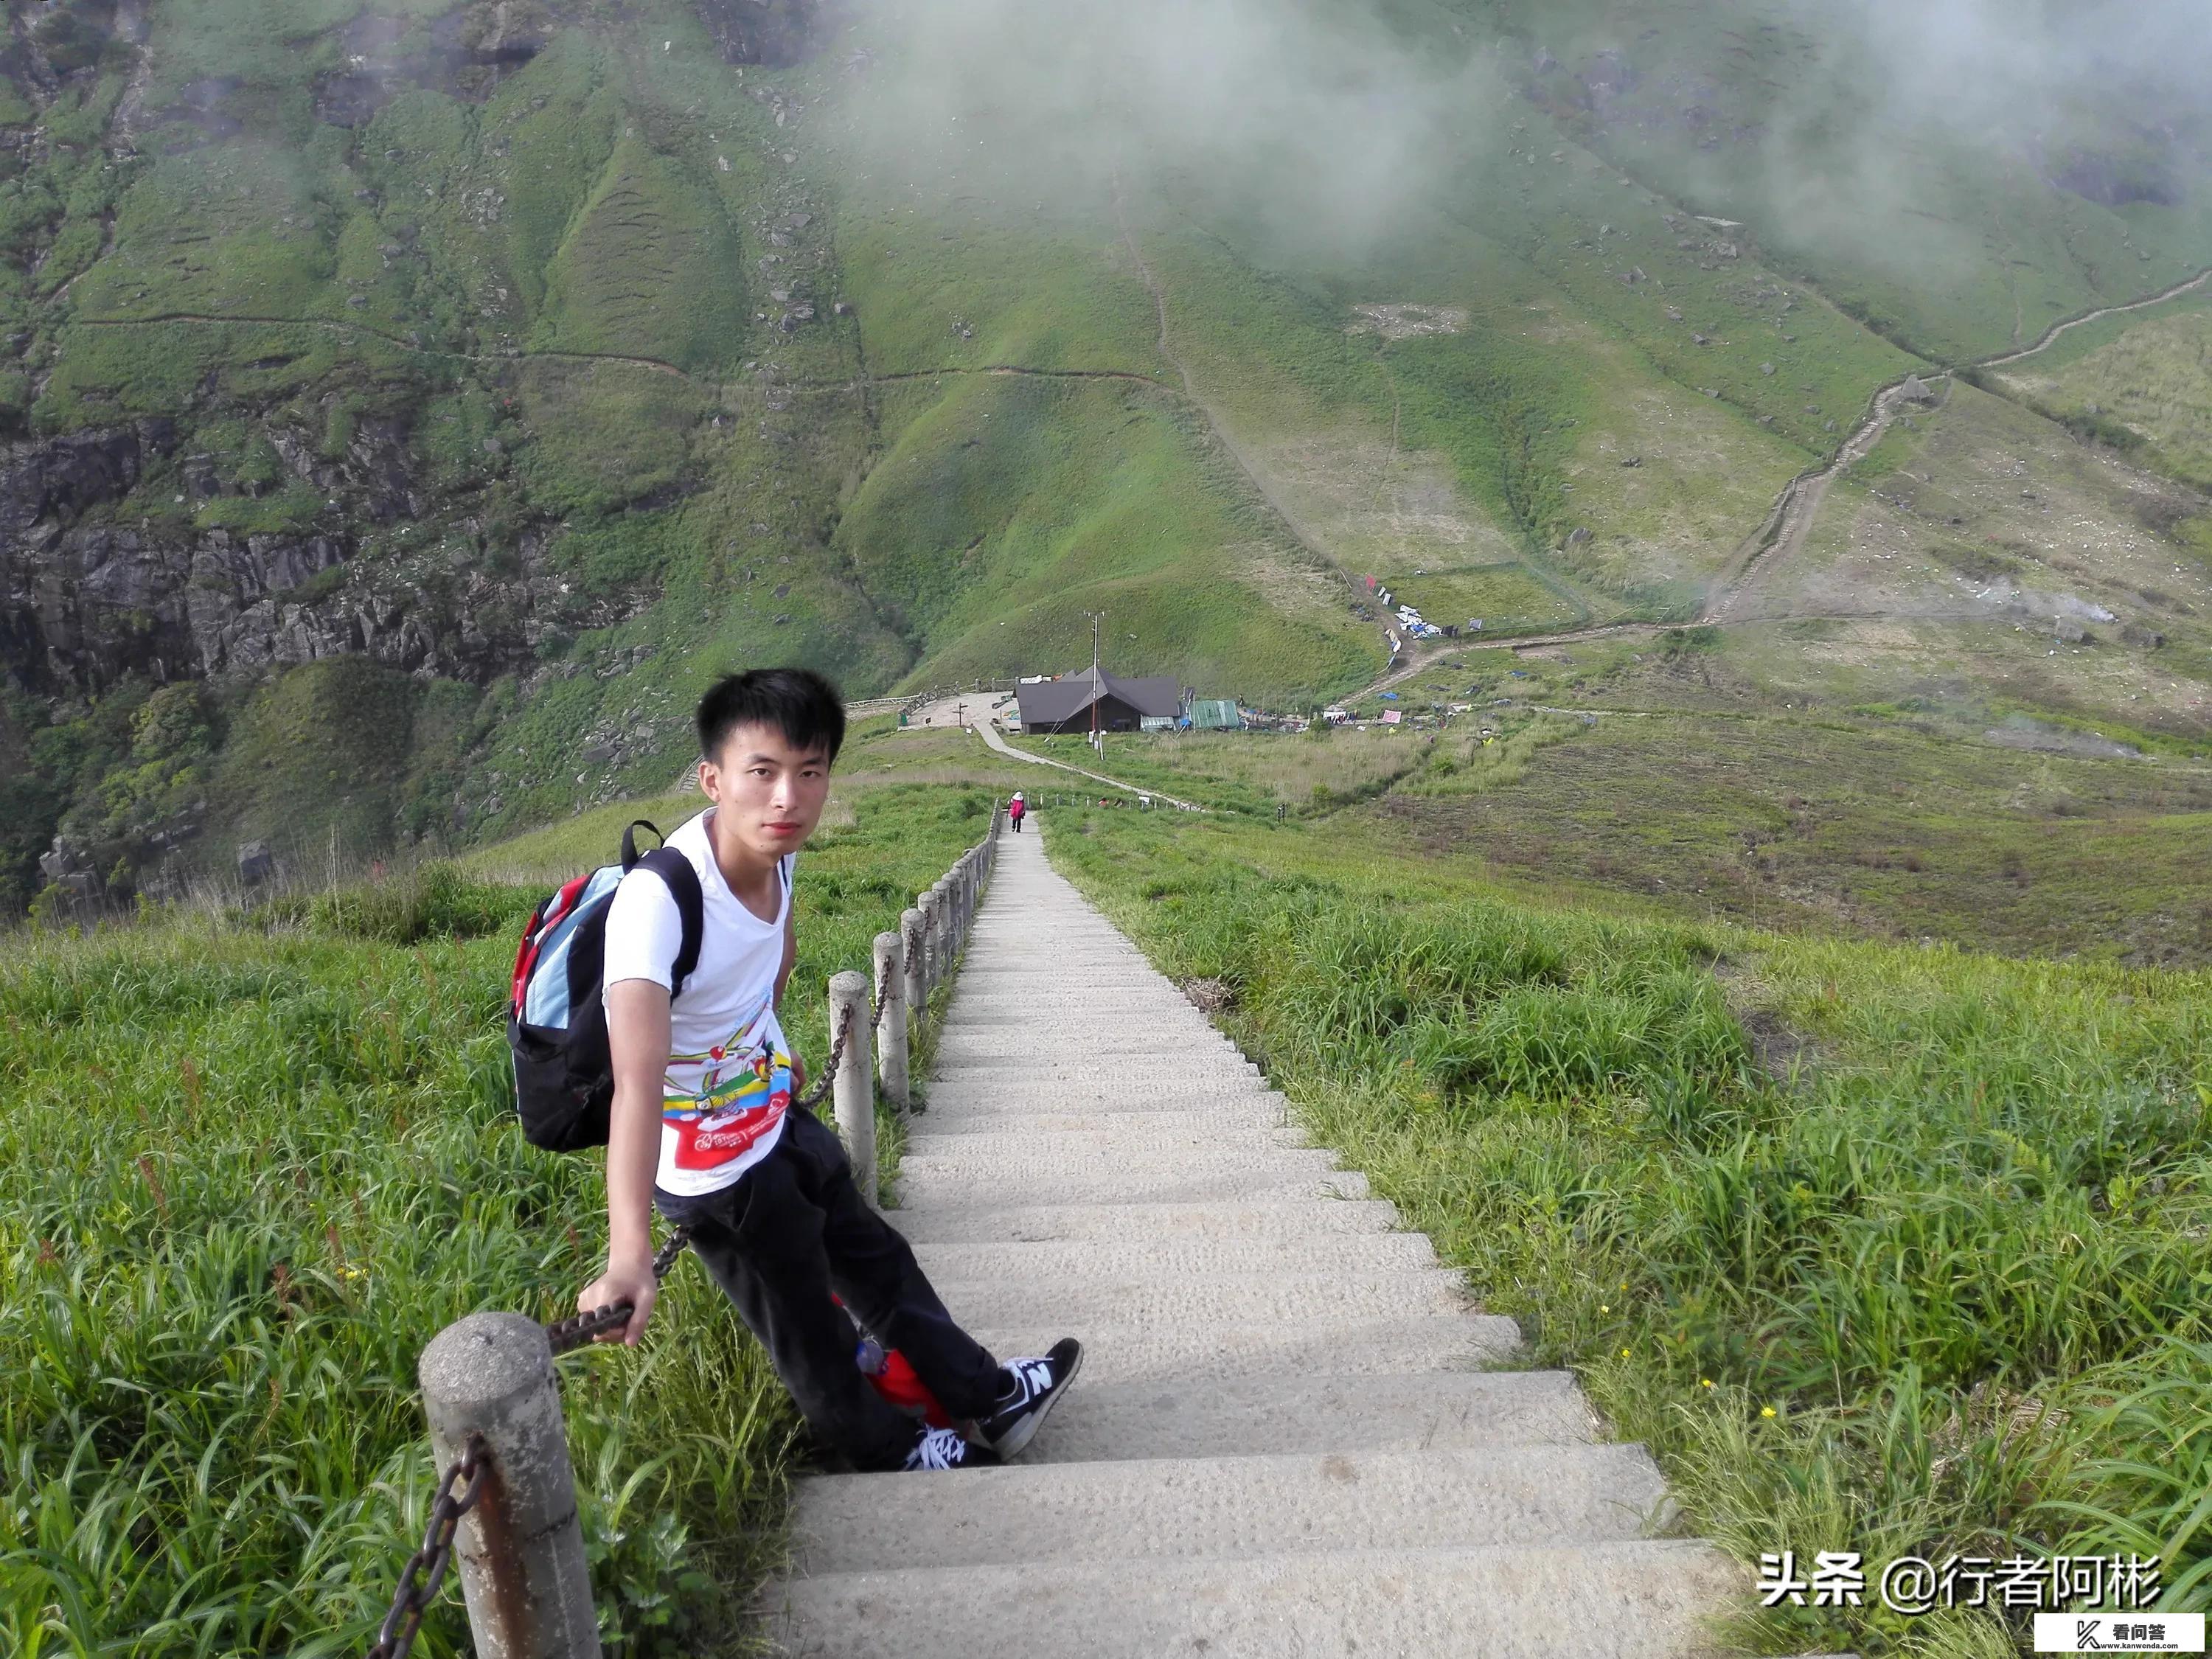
{"type": "Point", "coordinates": [369, 355]}
{"type": "Point", "coordinates": [89, 595]}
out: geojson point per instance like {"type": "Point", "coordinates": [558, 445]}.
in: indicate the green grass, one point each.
{"type": "Point", "coordinates": [2142, 379]}
{"type": "Point", "coordinates": [1006, 508]}
{"type": "Point", "coordinates": [255, 1164]}
{"type": "Point", "coordinates": [1885, 826]}
{"type": "Point", "coordinates": [1849, 1307]}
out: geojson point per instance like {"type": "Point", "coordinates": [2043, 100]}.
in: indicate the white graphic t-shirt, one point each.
{"type": "Point", "coordinates": [729, 1069]}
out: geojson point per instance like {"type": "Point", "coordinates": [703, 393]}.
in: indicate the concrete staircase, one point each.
{"type": "Point", "coordinates": [1285, 1440]}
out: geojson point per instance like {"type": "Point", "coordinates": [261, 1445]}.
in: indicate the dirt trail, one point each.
{"type": "Point", "coordinates": [1791, 521]}
{"type": "Point", "coordinates": [1798, 509]}
{"type": "Point", "coordinates": [206, 317]}
{"type": "Point", "coordinates": [2057, 328]}
{"type": "Point", "coordinates": [1304, 537]}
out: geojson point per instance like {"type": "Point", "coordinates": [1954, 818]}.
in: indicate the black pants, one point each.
{"type": "Point", "coordinates": [786, 1234]}
{"type": "Point", "coordinates": [1016, 818]}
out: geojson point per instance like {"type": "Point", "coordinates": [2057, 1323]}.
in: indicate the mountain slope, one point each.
{"type": "Point", "coordinates": [548, 358]}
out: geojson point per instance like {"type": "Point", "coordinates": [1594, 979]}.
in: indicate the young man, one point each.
{"type": "Point", "coordinates": [700, 1125]}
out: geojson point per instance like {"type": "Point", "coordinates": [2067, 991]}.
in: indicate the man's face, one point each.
{"type": "Point", "coordinates": [769, 794]}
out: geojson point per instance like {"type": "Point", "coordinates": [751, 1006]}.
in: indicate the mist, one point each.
{"type": "Point", "coordinates": [1316, 120]}
{"type": "Point", "coordinates": [2002, 64]}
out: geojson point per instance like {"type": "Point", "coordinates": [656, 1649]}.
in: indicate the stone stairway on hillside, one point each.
{"type": "Point", "coordinates": [1284, 1441]}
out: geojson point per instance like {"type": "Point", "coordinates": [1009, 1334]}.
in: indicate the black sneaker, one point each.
{"type": "Point", "coordinates": [945, 1448]}
{"type": "Point", "coordinates": [1034, 1387]}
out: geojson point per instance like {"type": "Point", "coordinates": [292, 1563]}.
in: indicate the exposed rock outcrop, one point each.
{"type": "Point", "coordinates": [86, 599]}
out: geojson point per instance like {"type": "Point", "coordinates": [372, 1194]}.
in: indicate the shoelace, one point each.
{"type": "Point", "coordinates": [1033, 1376]}
{"type": "Point", "coordinates": [939, 1449]}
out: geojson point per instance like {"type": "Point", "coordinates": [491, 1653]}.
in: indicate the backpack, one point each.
{"type": "Point", "coordinates": [556, 1027]}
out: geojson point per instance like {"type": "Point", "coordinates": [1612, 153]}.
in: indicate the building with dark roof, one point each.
{"type": "Point", "coordinates": [1122, 705]}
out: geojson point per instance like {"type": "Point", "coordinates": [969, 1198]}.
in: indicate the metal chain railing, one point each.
{"type": "Point", "coordinates": [577, 1330]}
{"type": "Point", "coordinates": [883, 1001]}
{"type": "Point", "coordinates": [419, 1581]}
{"type": "Point", "coordinates": [813, 1096]}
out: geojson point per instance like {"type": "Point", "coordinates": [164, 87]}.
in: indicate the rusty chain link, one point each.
{"type": "Point", "coordinates": [883, 1001]}
{"type": "Point", "coordinates": [813, 1097]}
{"type": "Point", "coordinates": [425, 1571]}
{"type": "Point", "coordinates": [577, 1330]}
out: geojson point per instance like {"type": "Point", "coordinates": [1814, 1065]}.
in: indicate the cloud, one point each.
{"type": "Point", "coordinates": [1316, 119]}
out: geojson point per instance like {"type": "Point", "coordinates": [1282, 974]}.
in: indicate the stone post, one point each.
{"type": "Point", "coordinates": [521, 1549]}
{"type": "Point", "coordinates": [932, 940]}
{"type": "Point", "coordinates": [940, 948]}
{"type": "Point", "coordinates": [913, 931]}
{"type": "Point", "coordinates": [854, 1086]}
{"type": "Point", "coordinates": [891, 1059]}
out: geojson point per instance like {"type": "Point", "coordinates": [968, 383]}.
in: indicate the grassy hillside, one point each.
{"type": "Point", "coordinates": [1901, 1248]}
{"type": "Point", "coordinates": [554, 358]}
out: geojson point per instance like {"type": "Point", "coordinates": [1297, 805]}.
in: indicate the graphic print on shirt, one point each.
{"type": "Point", "coordinates": [719, 1105]}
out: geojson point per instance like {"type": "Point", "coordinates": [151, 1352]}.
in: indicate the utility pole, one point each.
{"type": "Point", "coordinates": [1097, 680]}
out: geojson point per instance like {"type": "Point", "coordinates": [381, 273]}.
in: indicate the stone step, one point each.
{"type": "Point", "coordinates": [1185, 1183]}
{"type": "Point", "coordinates": [1417, 1343]}
{"type": "Point", "coordinates": [1128, 1044]}
{"type": "Point", "coordinates": [1248, 1120]}
{"type": "Point", "coordinates": [954, 1103]}
{"type": "Point", "coordinates": [1212, 1509]}
{"type": "Point", "coordinates": [1155, 1011]}
{"type": "Point", "coordinates": [1268, 1412]}
{"type": "Point", "coordinates": [994, 970]}
{"type": "Point", "coordinates": [1132, 1143]}
{"type": "Point", "coordinates": [1130, 1072]}
{"type": "Point", "coordinates": [996, 961]}
{"type": "Point", "coordinates": [1064, 1262]}
{"type": "Point", "coordinates": [1621, 1600]}
{"type": "Point", "coordinates": [1021, 1157]}
{"type": "Point", "coordinates": [1097, 1085]}
{"type": "Point", "coordinates": [1108, 1295]}
{"type": "Point", "coordinates": [1109, 1226]}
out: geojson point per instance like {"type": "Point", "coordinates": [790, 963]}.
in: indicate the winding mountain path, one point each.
{"type": "Point", "coordinates": [2056, 329]}
{"type": "Point", "coordinates": [987, 730]}
{"type": "Point", "coordinates": [1291, 1436]}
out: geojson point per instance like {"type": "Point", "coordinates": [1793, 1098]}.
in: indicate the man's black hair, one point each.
{"type": "Point", "coordinates": [799, 702]}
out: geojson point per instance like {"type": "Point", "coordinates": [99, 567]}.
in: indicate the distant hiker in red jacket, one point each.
{"type": "Point", "coordinates": [1016, 810]}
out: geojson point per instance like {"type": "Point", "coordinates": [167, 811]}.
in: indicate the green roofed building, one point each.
{"type": "Point", "coordinates": [1216, 715]}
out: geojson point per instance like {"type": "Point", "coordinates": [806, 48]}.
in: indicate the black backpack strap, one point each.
{"type": "Point", "coordinates": [683, 882]}
{"type": "Point", "coordinates": [630, 840]}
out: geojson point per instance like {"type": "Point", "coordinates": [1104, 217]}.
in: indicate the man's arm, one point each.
{"type": "Point", "coordinates": [637, 1034]}
{"type": "Point", "coordinates": [783, 978]}
{"type": "Point", "coordinates": [790, 950]}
